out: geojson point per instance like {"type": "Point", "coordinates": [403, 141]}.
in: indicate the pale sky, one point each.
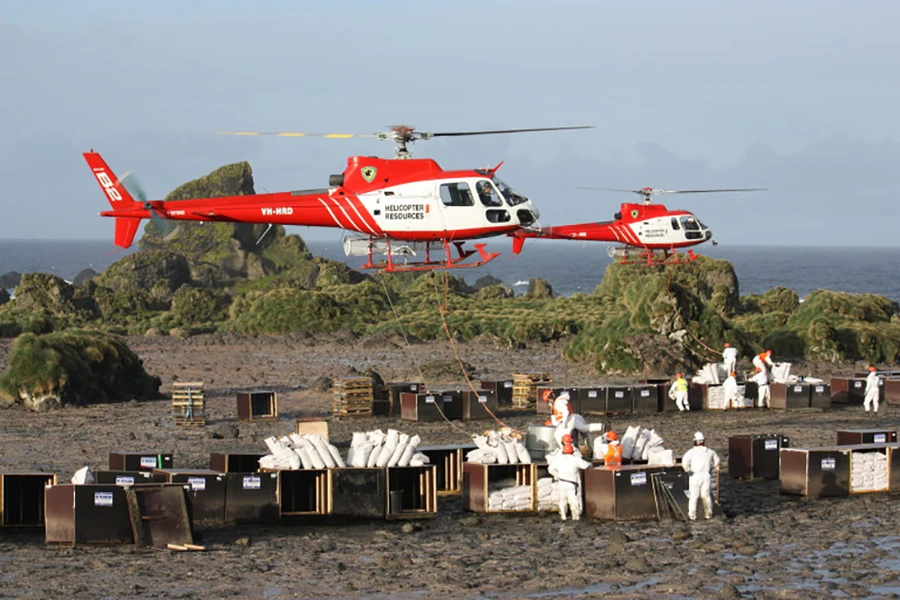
{"type": "Point", "coordinates": [799, 97]}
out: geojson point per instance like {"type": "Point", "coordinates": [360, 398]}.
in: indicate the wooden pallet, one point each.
{"type": "Point", "coordinates": [353, 396]}
{"type": "Point", "coordinates": [525, 385]}
{"type": "Point", "coordinates": [188, 404]}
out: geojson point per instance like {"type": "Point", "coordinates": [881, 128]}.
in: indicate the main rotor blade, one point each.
{"type": "Point", "coordinates": [339, 136]}
{"type": "Point", "coordinates": [495, 131]}
{"type": "Point", "coordinates": [705, 191]}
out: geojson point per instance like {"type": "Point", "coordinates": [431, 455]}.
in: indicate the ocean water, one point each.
{"type": "Point", "coordinates": [569, 267]}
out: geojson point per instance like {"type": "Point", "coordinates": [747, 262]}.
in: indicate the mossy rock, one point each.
{"type": "Point", "coordinates": [493, 292]}
{"type": "Point", "coordinates": [539, 289]}
{"type": "Point", "coordinates": [192, 305]}
{"type": "Point", "coordinates": [157, 272]}
{"type": "Point", "coordinates": [779, 299]}
{"type": "Point", "coordinates": [74, 367]}
{"type": "Point", "coordinates": [841, 307]}
{"type": "Point", "coordinates": [285, 311]}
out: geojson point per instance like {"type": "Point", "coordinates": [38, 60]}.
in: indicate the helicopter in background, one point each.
{"type": "Point", "coordinates": [402, 206]}
{"type": "Point", "coordinates": [649, 232]}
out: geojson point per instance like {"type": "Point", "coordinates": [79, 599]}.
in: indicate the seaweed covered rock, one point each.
{"type": "Point", "coordinates": [73, 367]}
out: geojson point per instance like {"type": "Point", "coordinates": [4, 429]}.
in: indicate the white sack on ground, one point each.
{"type": "Point", "coordinates": [628, 441]}
{"type": "Point", "coordinates": [82, 476]}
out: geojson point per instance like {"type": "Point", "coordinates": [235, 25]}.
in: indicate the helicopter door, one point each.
{"type": "Point", "coordinates": [494, 211]}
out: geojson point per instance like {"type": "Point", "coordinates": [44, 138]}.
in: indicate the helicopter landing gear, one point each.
{"type": "Point", "coordinates": [428, 264]}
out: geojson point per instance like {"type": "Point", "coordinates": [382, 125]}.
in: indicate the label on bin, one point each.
{"type": "Point", "coordinates": [124, 480]}
{"type": "Point", "coordinates": [197, 483]}
{"type": "Point", "coordinates": [507, 384]}
{"type": "Point", "coordinates": [820, 389]}
{"type": "Point", "coordinates": [148, 462]}
{"type": "Point", "coordinates": [828, 464]}
{"type": "Point", "coordinates": [645, 393]}
{"type": "Point", "coordinates": [482, 399]}
{"type": "Point", "coordinates": [413, 387]}
{"type": "Point", "coordinates": [771, 444]}
{"type": "Point", "coordinates": [592, 394]}
{"type": "Point", "coordinates": [252, 482]}
{"type": "Point", "coordinates": [620, 394]}
{"type": "Point", "coordinates": [639, 478]}
{"type": "Point", "coordinates": [103, 499]}
{"type": "Point", "coordinates": [879, 438]}
{"type": "Point", "coordinates": [429, 399]}
{"type": "Point", "coordinates": [857, 384]}
{"type": "Point", "coordinates": [447, 398]}
{"type": "Point", "coordinates": [798, 388]}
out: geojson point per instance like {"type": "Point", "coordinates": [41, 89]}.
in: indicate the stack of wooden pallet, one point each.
{"type": "Point", "coordinates": [525, 387]}
{"type": "Point", "coordinates": [188, 406]}
{"type": "Point", "coordinates": [353, 397]}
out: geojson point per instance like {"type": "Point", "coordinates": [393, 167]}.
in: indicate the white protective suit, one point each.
{"type": "Point", "coordinates": [730, 390]}
{"type": "Point", "coordinates": [566, 468]}
{"type": "Point", "coordinates": [762, 364]}
{"type": "Point", "coordinates": [680, 395]}
{"type": "Point", "coordinates": [699, 462]}
{"type": "Point", "coordinates": [729, 356]}
{"type": "Point", "coordinates": [871, 399]}
{"type": "Point", "coordinates": [764, 393]}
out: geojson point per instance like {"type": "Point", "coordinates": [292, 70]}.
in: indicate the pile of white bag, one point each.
{"type": "Point", "coordinates": [378, 449]}
{"type": "Point", "coordinates": [517, 497]}
{"type": "Point", "coordinates": [868, 471]}
{"type": "Point", "coordinates": [498, 447]}
{"type": "Point", "coordinates": [639, 443]}
{"type": "Point", "coordinates": [307, 451]}
{"type": "Point", "coordinates": [716, 398]}
{"type": "Point", "coordinates": [548, 494]}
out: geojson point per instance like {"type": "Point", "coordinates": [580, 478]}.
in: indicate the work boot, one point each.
{"type": "Point", "coordinates": [563, 517]}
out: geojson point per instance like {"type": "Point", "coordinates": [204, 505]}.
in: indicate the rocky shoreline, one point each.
{"type": "Point", "coordinates": [768, 546]}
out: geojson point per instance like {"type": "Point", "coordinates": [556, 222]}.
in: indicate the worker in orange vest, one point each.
{"type": "Point", "coordinates": [763, 359]}
{"type": "Point", "coordinates": [613, 451]}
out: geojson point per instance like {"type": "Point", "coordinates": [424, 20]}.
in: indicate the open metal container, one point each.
{"type": "Point", "coordinates": [621, 493]}
{"type": "Point", "coordinates": [852, 437]}
{"type": "Point", "coordinates": [479, 481]}
{"type": "Point", "coordinates": [431, 407]}
{"type": "Point", "coordinates": [502, 388]}
{"type": "Point", "coordinates": [22, 498]}
{"type": "Point", "coordinates": [447, 461]}
{"type": "Point", "coordinates": [247, 462]}
{"type": "Point", "coordinates": [384, 492]}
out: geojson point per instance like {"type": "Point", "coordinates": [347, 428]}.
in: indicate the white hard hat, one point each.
{"type": "Point", "coordinates": [698, 437]}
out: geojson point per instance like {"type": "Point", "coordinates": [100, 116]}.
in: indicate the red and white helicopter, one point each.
{"type": "Point", "coordinates": [648, 231]}
{"type": "Point", "coordinates": [400, 206]}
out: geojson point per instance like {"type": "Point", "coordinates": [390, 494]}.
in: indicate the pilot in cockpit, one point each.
{"type": "Point", "coordinates": [487, 194]}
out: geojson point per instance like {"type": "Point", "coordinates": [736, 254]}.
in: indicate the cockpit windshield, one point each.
{"type": "Point", "coordinates": [512, 196]}
{"type": "Point", "coordinates": [690, 223]}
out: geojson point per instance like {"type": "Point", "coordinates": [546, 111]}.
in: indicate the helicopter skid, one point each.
{"type": "Point", "coordinates": [427, 264]}
{"type": "Point", "coordinates": [648, 256]}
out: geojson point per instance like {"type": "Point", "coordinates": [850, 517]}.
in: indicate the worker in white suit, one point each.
{"type": "Point", "coordinates": [763, 391]}
{"type": "Point", "coordinates": [700, 463]}
{"type": "Point", "coordinates": [729, 357]}
{"type": "Point", "coordinates": [568, 422]}
{"type": "Point", "coordinates": [730, 390]}
{"type": "Point", "coordinates": [566, 467]}
{"type": "Point", "coordinates": [763, 360]}
{"type": "Point", "coordinates": [871, 398]}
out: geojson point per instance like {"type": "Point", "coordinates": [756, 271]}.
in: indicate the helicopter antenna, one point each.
{"type": "Point", "coordinates": [403, 136]}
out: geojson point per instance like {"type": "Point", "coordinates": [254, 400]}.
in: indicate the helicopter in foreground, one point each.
{"type": "Point", "coordinates": [403, 206]}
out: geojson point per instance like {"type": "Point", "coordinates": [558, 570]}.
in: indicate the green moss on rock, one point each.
{"type": "Point", "coordinates": [73, 367]}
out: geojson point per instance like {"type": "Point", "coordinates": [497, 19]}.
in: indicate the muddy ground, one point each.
{"type": "Point", "coordinates": [768, 546]}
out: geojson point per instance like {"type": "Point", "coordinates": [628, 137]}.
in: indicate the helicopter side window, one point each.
{"type": "Point", "coordinates": [675, 224]}
{"type": "Point", "coordinates": [456, 194]}
{"type": "Point", "coordinates": [487, 194]}
{"type": "Point", "coordinates": [512, 196]}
